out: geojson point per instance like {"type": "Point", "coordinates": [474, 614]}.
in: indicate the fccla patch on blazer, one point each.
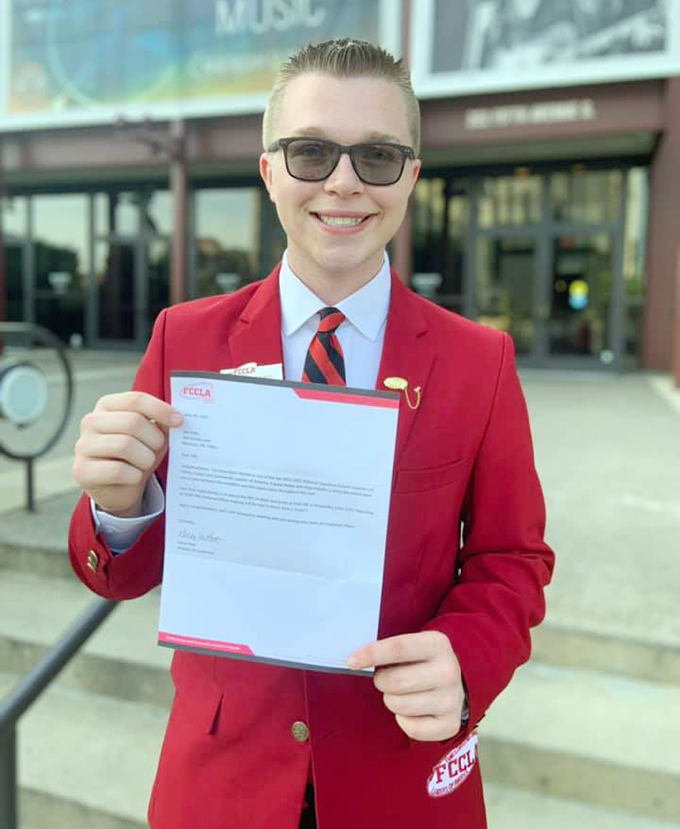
{"type": "Point", "coordinates": [454, 768]}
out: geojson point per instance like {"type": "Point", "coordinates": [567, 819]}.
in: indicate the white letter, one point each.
{"type": "Point", "coordinates": [227, 20]}
{"type": "Point", "coordinates": [262, 26]}
{"type": "Point", "coordinates": [310, 18]}
{"type": "Point", "coordinates": [282, 15]}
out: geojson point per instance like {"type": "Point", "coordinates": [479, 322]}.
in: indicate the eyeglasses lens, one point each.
{"type": "Point", "coordinates": [310, 160]}
{"type": "Point", "coordinates": [314, 160]}
{"type": "Point", "coordinates": [377, 163]}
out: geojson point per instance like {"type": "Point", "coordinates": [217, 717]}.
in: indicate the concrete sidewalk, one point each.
{"type": "Point", "coordinates": [608, 453]}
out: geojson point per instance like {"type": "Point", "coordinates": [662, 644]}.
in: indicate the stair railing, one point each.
{"type": "Point", "coordinates": [28, 690]}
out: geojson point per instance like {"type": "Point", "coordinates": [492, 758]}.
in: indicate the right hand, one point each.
{"type": "Point", "coordinates": [122, 442]}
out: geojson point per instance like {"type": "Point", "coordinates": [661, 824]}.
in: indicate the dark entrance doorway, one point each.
{"type": "Point", "coordinates": [538, 255]}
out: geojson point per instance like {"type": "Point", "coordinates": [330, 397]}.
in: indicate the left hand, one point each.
{"type": "Point", "coordinates": [420, 678]}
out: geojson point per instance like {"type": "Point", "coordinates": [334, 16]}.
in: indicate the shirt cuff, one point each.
{"type": "Point", "coordinates": [121, 533]}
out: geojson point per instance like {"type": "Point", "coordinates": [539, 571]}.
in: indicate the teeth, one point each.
{"type": "Point", "coordinates": [340, 221]}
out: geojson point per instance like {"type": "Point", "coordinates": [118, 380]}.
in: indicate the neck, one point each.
{"type": "Point", "coordinates": [332, 287]}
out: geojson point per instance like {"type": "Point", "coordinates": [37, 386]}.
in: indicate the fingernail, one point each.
{"type": "Point", "coordinates": [353, 663]}
{"type": "Point", "coordinates": [175, 419]}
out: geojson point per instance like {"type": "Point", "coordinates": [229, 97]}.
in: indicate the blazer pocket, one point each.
{"type": "Point", "coordinates": [420, 480]}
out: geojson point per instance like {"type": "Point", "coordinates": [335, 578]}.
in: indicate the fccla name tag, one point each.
{"type": "Point", "coordinates": [453, 769]}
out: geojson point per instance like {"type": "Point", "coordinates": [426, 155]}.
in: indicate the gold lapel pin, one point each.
{"type": "Point", "coordinates": [401, 384]}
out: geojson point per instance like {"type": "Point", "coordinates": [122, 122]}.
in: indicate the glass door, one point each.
{"type": "Point", "coordinates": [131, 265]}
{"type": "Point", "coordinates": [156, 275]}
{"type": "Point", "coordinates": [60, 258]}
{"type": "Point", "coordinates": [441, 230]}
{"type": "Point", "coordinates": [580, 297]}
{"type": "Point", "coordinates": [14, 275]}
{"type": "Point", "coordinates": [507, 267]}
{"type": "Point", "coordinates": [116, 267]}
{"type": "Point", "coordinates": [116, 311]}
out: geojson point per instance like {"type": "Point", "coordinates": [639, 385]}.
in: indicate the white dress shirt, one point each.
{"type": "Point", "coordinates": [361, 337]}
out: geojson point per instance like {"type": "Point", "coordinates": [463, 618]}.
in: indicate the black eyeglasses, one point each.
{"type": "Point", "coordinates": [314, 159]}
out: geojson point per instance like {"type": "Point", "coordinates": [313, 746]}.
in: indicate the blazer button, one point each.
{"type": "Point", "coordinates": [300, 731]}
{"type": "Point", "coordinates": [93, 561]}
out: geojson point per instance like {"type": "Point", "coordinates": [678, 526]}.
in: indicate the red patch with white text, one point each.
{"type": "Point", "coordinates": [454, 768]}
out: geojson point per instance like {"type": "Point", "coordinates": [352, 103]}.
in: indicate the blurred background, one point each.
{"type": "Point", "coordinates": [548, 207]}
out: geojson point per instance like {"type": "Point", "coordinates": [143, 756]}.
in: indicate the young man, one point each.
{"type": "Point", "coordinates": [245, 741]}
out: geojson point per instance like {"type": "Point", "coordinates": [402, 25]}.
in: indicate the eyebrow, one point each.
{"type": "Point", "coordinates": [319, 132]}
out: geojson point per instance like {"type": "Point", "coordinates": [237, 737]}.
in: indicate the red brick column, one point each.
{"type": "Point", "coordinates": [676, 328]}
{"type": "Point", "coordinates": [661, 324]}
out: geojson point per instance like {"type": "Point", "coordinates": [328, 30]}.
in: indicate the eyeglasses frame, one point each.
{"type": "Point", "coordinates": [284, 143]}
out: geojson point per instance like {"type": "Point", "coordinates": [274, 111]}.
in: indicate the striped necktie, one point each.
{"type": "Point", "coordinates": [325, 362]}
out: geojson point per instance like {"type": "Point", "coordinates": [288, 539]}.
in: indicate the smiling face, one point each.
{"type": "Point", "coordinates": [337, 229]}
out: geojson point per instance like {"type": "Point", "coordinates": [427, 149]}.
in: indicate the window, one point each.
{"type": "Point", "coordinates": [227, 239]}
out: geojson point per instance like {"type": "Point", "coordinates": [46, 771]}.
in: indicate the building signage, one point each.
{"type": "Point", "coordinates": [67, 62]}
{"type": "Point", "coordinates": [547, 112]}
{"type": "Point", "coordinates": [478, 46]}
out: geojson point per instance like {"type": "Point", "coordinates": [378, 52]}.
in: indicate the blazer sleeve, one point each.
{"type": "Point", "coordinates": [140, 568]}
{"type": "Point", "coordinates": [504, 561]}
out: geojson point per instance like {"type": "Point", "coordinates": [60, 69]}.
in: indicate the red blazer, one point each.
{"type": "Point", "coordinates": [464, 459]}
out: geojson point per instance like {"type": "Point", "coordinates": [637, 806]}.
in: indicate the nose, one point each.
{"type": "Point", "coordinates": [343, 180]}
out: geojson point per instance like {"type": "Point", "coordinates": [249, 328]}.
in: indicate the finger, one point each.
{"type": "Point", "coordinates": [409, 647]}
{"type": "Point", "coordinates": [429, 729]}
{"type": "Point", "coordinates": [122, 447]}
{"type": "Point", "coordinates": [145, 404]}
{"type": "Point", "coordinates": [411, 679]}
{"type": "Point", "coordinates": [100, 473]}
{"type": "Point", "coordinates": [440, 672]}
{"type": "Point", "coordinates": [428, 704]}
{"type": "Point", "coordinates": [124, 423]}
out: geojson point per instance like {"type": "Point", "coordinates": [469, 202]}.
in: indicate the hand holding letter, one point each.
{"type": "Point", "coordinates": [121, 444]}
{"type": "Point", "coordinates": [420, 678]}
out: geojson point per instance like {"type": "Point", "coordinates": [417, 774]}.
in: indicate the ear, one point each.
{"type": "Point", "coordinates": [415, 174]}
{"type": "Point", "coordinates": [266, 173]}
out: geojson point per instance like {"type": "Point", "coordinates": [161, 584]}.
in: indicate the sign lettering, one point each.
{"type": "Point", "coordinates": [550, 112]}
{"type": "Point", "coordinates": [234, 17]}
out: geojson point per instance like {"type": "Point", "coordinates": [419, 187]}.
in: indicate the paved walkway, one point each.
{"type": "Point", "coordinates": [608, 452]}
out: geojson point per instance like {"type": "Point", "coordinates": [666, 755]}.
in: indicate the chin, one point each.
{"type": "Point", "coordinates": [345, 261]}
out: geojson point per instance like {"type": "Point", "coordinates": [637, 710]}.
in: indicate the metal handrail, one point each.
{"type": "Point", "coordinates": [25, 693]}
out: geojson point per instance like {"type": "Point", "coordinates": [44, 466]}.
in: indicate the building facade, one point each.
{"type": "Point", "coordinates": [548, 205]}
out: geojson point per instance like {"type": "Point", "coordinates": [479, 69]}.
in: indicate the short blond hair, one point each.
{"type": "Point", "coordinates": [342, 58]}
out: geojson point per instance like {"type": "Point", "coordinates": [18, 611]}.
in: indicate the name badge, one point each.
{"type": "Point", "coordinates": [270, 372]}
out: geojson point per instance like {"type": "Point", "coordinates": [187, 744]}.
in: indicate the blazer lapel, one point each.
{"type": "Point", "coordinates": [257, 335]}
{"type": "Point", "coordinates": [407, 354]}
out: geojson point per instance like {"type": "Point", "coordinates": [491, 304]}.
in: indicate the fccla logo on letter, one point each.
{"type": "Point", "coordinates": [453, 769]}
{"type": "Point", "coordinates": [198, 391]}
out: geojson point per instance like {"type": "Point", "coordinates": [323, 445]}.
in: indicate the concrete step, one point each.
{"type": "Point", "coordinates": [38, 542]}
{"type": "Point", "coordinates": [509, 808]}
{"type": "Point", "coordinates": [86, 759]}
{"type": "Point", "coordinates": [52, 477]}
{"type": "Point", "coordinates": [121, 659]}
{"type": "Point", "coordinates": [589, 736]}
{"type": "Point", "coordinates": [642, 657]}
{"type": "Point", "coordinates": [586, 735]}
{"type": "Point", "coordinates": [634, 653]}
